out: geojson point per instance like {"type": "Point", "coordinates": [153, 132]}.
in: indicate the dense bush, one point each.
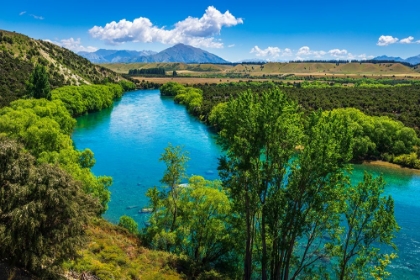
{"type": "Point", "coordinates": [43, 211]}
{"type": "Point", "coordinates": [87, 98]}
{"type": "Point", "coordinates": [45, 127]}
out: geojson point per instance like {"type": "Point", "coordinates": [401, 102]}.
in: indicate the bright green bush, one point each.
{"type": "Point", "coordinates": [129, 224]}
{"type": "Point", "coordinates": [87, 98]}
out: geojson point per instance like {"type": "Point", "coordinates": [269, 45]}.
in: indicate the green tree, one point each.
{"type": "Point", "coordinates": [43, 211]}
{"type": "Point", "coordinates": [286, 176]}
{"type": "Point", "coordinates": [38, 85]}
{"type": "Point", "coordinates": [163, 223]}
{"type": "Point", "coordinates": [175, 159]}
{"type": "Point", "coordinates": [129, 224]}
{"type": "Point", "coordinates": [202, 230]}
{"type": "Point", "coordinates": [369, 220]}
{"type": "Point", "coordinates": [259, 134]}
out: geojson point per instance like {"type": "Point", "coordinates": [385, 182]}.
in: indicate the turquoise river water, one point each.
{"type": "Point", "coordinates": [129, 138]}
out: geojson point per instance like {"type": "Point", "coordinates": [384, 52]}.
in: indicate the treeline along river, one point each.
{"type": "Point", "coordinates": [129, 138]}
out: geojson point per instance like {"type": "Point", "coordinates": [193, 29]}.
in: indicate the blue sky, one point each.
{"type": "Point", "coordinates": [234, 30]}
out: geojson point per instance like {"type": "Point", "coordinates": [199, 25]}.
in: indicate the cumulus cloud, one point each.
{"type": "Point", "coordinates": [386, 40]}
{"type": "Point", "coordinates": [287, 52]}
{"type": "Point", "coordinates": [74, 45]}
{"type": "Point", "coordinates": [272, 52]}
{"type": "Point", "coordinates": [407, 40]}
{"type": "Point", "coordinates": [306, 51]}
{"type": "Point", "coordinates": [198, 32]}
{"type": "Point", "coordinates": [337, 52]}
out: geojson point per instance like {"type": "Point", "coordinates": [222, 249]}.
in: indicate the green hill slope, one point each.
{"type": "Point", "coordinates": [19, 54]}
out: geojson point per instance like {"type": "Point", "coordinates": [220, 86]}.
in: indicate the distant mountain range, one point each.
{"type": "Point", "coordinates": [178, 53]}
{"type": "Point", "coordinates": [114, 56]}
{"type": "Point", "coordinates": [412, 60]}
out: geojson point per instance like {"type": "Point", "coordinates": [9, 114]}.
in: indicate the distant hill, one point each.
{"type": "Point", "coordinates": [412, 60]}
{"type": "Point", "coordinates": [272, 68]}
{"type": "Point", "coordinates": [19, 54]}
{"type": "Point", "coordinates": [179, 53]}
{"type": "Point", "coordinates": [114, 56]}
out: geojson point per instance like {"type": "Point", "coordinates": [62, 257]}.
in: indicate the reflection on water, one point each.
{"type": "Point", "coordinates": [128, 139]}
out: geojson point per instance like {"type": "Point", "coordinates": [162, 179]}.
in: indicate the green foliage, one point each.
{"type": "Point", "coordinates": [170, 89]}
{"type": "Point", "coordinates": [190, 219]}
{"type": "Point", "coordinates": [129, 224]}
{"type": "Point", "coordinates": [190, 97]}
{"type": "Point", "coordinates": [112, 253]}
{"type": "Point", "coordinates": [285, 175]}
{"type": "Point", "coordinates": [377, 136]}
{"type": "Point", "coordinates": [13, 75]}
{"type": "Point", "coordinates": [83, 99]}
{"type": "Point", "coordinates": [44, 127]}
{"type": "Point", "coordinates": [126, 85]}
{"type": "Point", "coordinates": [43, 211]}
{"type": "Point", "coordinates": [64, 67]}
{"type": "Point", "coordinates": [369, 220]}
{"type": "Point", "coordinates": [398, 103]}
{"type": "Point", "coordinates": [158, 71]}
{"type": "Point", "coordinates": [38, 85]}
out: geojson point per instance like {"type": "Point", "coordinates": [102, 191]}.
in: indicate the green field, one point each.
{"type": "Point", "coordinates": [274, 68]}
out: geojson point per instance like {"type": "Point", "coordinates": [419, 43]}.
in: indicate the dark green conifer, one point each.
{"type": "Point", "coordinates": [38, 85]}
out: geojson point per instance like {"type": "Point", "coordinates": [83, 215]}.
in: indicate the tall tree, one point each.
{"type": "Point", "coordinates": [164, 222]}
{"type": "Point", "coordinates": [287, 179]}
{"type": "Point", "coordinates": [260, 134]}
{"type": "Point", "coordinates": [369, 219]}
{"type": "Point", "coordinates": [43, 211]}
{"type": "Point", "coordinates": [38, 85]}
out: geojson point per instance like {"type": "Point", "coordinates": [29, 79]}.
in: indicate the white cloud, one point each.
{"type": "Point", "coordinates": [306, 51]}
{"type": "Point", "coordinates": [337, 52]}
{"type": "Point", "coordinates": [22, 13]}
{"type": "Point", "coordinates": [37, 17]}
{"type": "Point", "coordinates": [418, 42]}
{"type": "Point", "coordinates": [74, 45]}
{"type": "Point", "coordinates": [231, 46]}
{"type": "Point", "coordinates": [272, 52]}
{"type": "Point", "coordinates": [364, 57]}
{"type": "Point", "coordinates": [407, 40]}
{"type": "Point", "coordinates": [386, 40]}
{"type": "Point", "coordinates": [287, 52]}
{"type": "Point", "coordinates": [198, 32]}
{"type": "Point", "coordinates": [351, 56]}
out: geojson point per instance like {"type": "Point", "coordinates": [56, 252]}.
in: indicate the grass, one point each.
{"type": "Point", "coordinates": [243, 71]}
{"type": "Point", "coordinates": [113, 253]}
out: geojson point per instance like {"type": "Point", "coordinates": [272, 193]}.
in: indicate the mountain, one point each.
{"type": "Point", "coordinates": [185, 54]}
{"type": "Point", "coordinates": [20, 53]}
{"type": "Point", "coordinates": [389, 58]}
{"type": "Point", "coordinates": [179, 53]}
{"type": "Point", "coordinates": [114, 56]}
{"type": "Point", "coordinates": [412, 60]}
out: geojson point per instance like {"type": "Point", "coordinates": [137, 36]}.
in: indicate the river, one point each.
{"type": "Point", "coordinates": [128, 139]}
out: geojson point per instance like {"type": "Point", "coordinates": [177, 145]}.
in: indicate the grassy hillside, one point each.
{"type": "Point", "coordinates": [113, 253]}
{"type": "Point", "coordinates": [274, 68]}
{"type": "Point", "coordinates": [328, 68]}
{"type": "Point", "coordinates": [19, 54]}
{"type": "Point", "coordinates": [124, 67]}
